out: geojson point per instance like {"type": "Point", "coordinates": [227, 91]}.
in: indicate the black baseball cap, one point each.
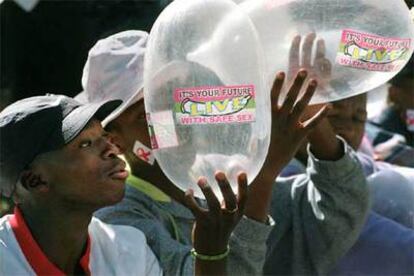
{"type": "Point", "coordinates": [37, 125]}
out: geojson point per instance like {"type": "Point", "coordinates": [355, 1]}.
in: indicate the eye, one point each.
{"type": "Point", "coordinates": [85, 144]}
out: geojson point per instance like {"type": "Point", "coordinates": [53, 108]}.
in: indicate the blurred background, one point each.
{"type": "Point", "coordinates": [44, 44]}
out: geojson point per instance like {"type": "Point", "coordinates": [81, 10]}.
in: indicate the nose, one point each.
{"type": "Point", "coordinates": [114, 139]}
{"type": "Point", "coordinates": [111, 150]}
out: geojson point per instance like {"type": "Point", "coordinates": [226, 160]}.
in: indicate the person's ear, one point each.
{"type": "Point", "coordinates": [33, 181]}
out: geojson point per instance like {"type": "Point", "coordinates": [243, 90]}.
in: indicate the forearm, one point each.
{"type": "Point", "coordinates": [210, 267]}
{"type": "Point", "coordinates": [260, 190]}
{"type": "Point", "coordinates": [324, 144]}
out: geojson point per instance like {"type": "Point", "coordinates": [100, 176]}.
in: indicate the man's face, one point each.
{"type": "Point", "coordinates": [86, 172]}
{"type": "Point", "coordinates": [348, 118]}
{"type": "Point", "coordinates": [129, 127]}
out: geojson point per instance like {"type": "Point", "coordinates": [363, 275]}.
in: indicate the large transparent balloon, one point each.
{"type": "Point", "coordinates": [206, 98]}
{"type": "Point", "coordinates": [350, 46]}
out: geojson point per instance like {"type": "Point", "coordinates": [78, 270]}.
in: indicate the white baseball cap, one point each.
{"type": "Point", "coordinates": [115, 70]}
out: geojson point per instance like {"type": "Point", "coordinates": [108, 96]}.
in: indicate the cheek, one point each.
{"type": "Point", "coordinates": [86, 170]}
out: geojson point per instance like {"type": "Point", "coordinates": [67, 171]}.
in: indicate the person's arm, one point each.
{"type": "Point", "coordinates": [320, 213]}
{"type": "Point", "coordinates": [288, 133]}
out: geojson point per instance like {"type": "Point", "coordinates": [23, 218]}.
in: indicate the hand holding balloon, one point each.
{"type": "Point", "coordinates": [214, 226]}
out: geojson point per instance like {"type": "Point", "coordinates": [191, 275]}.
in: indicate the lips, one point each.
{"type": "Point", "coordinates": [119, 172]}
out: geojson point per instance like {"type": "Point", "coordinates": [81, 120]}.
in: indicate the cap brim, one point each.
{"type": "Point", "coordinates": [76, 121]}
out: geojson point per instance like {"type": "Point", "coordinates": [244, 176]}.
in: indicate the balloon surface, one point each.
{"type": "Point", "coordinates": [207, 101]}
{"type": "Point", "coordinates": [349, 46]}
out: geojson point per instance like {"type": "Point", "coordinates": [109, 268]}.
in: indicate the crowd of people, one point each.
{"type": "Point", "coordinates": [335, 195]}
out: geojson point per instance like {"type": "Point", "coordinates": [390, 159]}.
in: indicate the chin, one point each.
{"type": "Point", "coordinates": [115, 194]}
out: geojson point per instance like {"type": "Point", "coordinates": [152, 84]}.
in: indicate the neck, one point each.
{"type": "Point", "coordinates": [156, 177]}
{"type": "Point", "coordinates": [61, 233]}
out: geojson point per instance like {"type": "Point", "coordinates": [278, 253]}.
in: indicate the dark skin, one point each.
{"type": "Point", "coordinates": [347, 118]}
{"type": "Point", "coordinates": [58, 195]}
{"type": "Point", "coordinates": [295, 122]}
{"type": "Point", "coordinates": [216, 224]}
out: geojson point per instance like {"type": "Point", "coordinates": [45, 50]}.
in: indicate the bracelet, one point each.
{"type": "Point", "coordinates": [208, 257]}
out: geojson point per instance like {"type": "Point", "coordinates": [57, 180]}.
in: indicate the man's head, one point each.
{"type": "Point", "coordinates": [115, 70]}
{"type": "Point", "coordinates": [401, 91]}
{"type": "Point", "coordinates": [54, 150]}
{"type": "Point", "coordinates": [348, 118]}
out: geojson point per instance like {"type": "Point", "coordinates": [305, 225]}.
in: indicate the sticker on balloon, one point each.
{"type": "Point", "coordinates": [215, 105]}
{"type": "Point", "coordinates": [371, 52]}
{"type": "Point", "coordinates": [161, 129]}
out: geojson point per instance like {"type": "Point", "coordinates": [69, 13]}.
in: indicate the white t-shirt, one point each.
{"type": "Point", "coordinates": [112, 250]}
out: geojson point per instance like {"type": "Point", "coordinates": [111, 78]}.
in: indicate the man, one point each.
{"type": "Point", "coordinates": [59, 166]}
{"type": "Point", "coordinates": [154, 205]}
{"type": "Point", "coordinates": [388, 230]}
{"type": "Point", "coordinates": [392, 132]}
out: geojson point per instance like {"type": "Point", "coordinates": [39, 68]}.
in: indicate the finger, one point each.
{"type": "Point", "coordinates": [293, 92]}
{"type": "Point", "coordinates": [307, 50]}
{"type": "Point", "coordinates": [227, 192]}
{"type": "Point", "coordinates": [242, 192]}
{"type": "Point", "coordinates": [294, 53]}
{"type": "Point", "coordinates": [212, 201]}
{"type": "Point", "coordinates": [315, 120]}
{"type": "Point", "coordinates": [192, 204]}
{"type": "Point", "coordinates": [276, 89]}
{"type": "Point", "coordinates": [320, 49]}
{"type": "Point", "coordinates": [326, 67]}
{"type": "Point", "coordinates": [304, 101]}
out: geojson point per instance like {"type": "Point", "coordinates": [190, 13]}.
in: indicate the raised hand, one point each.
{"type": "Point", "coordinates": [288, 132]}
{"type": "Point", "coordinates": [214, 225]}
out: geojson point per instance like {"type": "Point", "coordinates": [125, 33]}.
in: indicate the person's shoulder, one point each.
{"type": "Point", "coordinates": [119, 232]}
{"type": "Point", "coordinates": [118, 249]}
{"type": "Point", "coordinates": [12, 260]}
{"type": "Point", "coordinates": [4, 228]}
{"type": "Point", "coordinates": [135, 205]}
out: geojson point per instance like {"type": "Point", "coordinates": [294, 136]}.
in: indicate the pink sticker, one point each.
{"type": "Point", "coordinates": [215, 105]}
{"type": "Point", "coordinates": [372, 52]}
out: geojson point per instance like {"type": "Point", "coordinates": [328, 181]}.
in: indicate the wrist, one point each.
{"type": "Point", "coordinates": [215, 257]}
{"type": "Point", "coordinates": [324, 144]}
{"type": "Point", "coordinates": [210, 247]}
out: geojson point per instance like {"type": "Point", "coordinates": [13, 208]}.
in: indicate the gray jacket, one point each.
{"type": "Point", "coordinates": [311, 233]}
{"type": "Point", "coordinates": [319, 215]}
